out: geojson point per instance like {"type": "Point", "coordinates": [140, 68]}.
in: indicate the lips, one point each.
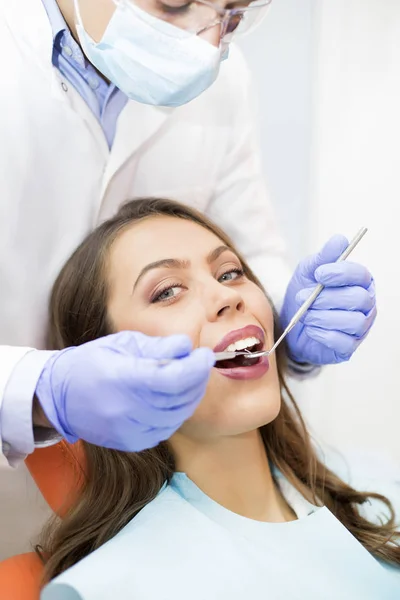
{"type": "Point", "coordinates": [240, 334]}
{"type": "Point", "coordinates": [254, 371]}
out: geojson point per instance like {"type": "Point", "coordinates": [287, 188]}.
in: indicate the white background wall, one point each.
{"type": "Point", "coordinates": [279, 53]}
{"type": "Point", "coordinates": [356, 181]}
{"type": "Point", "coordinates": [328, 72]}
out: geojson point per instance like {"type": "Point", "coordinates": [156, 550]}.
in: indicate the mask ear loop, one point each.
{"type": "Point", "coordinates": [77, 14]}
{"type": "Point", "coordinates": [209, 26]}
{"type": "Point", "coordinates": [222, 23]}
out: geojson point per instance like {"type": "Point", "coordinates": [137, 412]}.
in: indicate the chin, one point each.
{"type": "Point", "coordinates": [235, 418]}
{"type": "Point", "coordinates": [239, 424]}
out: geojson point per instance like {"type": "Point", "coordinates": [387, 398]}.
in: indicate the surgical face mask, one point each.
{"type": "Point", "coordinates": [150, 60]}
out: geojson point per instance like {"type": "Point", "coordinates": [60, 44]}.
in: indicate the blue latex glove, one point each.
{"type": "Point", "coordinates": [342, 315]}
{"type": "Point", "coordinates": [110, 393]}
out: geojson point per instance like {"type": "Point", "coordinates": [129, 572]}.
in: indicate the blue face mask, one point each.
{"type": "Point", "coordinates": [150, 60]}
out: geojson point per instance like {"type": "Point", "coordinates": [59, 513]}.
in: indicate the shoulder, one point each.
{"type": "Point", "coordinates": [227, 99]}
{"type": "Point", "coordinates": [160, 515]}
{"type": "Point", "coordinates": [162, 533]}
{"type": "Point", "coordinates": [154, 549]}
{"type": "Point", "coordinates": [372, 472]}
{"type": "Point", "coordinates": [26, 40]}
{"type": "Point", "coordinates": [233, 85]}
{"type": "Point", "coordinates": [234, 70]}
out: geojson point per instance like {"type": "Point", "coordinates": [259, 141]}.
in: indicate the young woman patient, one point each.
{"type": "Point", "coordinates": [236, 504]}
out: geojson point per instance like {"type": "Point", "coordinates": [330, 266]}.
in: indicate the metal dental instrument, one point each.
{"type": "Point", "coordinates": [303, 308]}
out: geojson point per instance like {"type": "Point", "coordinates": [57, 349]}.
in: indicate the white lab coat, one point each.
{"type": "Point", "coordinates": [58, 178]}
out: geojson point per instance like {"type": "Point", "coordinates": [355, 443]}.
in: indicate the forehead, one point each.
{"type": "Point", "coordinates": [160, 237]}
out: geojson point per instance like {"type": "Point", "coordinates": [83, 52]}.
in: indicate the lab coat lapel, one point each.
{"type": "Point", "coordinates": [137, 123]}
{"type": "Point", "coordinates": [28, 21]}
{"type": "Point", "coordinates": [34, 31]}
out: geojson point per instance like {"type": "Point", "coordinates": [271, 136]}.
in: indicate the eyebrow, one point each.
{"type": "Point", "coordinates": [175, 263]}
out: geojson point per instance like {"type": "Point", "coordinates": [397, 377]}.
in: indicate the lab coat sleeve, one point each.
{"type": "Point", "coordinates": [20, 371]}
{"type": "Point", "coordinates": [240, 204]}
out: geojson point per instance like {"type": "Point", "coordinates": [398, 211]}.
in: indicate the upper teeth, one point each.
{"type": "Point", "coordinates": [242, 344]}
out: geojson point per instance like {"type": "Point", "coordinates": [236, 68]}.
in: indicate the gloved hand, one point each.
{"type": "Point", "coordinates": [111, 393]}
{"type": "Point", "coordinates": [342, 315]}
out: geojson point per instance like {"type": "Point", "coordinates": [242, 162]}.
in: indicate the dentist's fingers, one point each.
{"type": "Point", "coordinates": [180, 375]}
{"type": "Point", "coordinates": [354, 323]}
{"type": "Point", "coordinates": [343, 273]}
{"type": "Point", "coordinates": [342, 344]}
{"type": "Point", "coordinates": [350, 298]}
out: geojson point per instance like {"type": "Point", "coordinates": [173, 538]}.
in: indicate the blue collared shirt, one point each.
{"type": "Point", "coordinates": [104, 99]}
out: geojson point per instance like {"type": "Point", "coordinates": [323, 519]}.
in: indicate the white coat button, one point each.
{"type": "Point", "coordinates": [94, 84]}
{"type": "Point", "coordinates": [67, 50]}
{"type": "Point", "coordinates": [64, 86]}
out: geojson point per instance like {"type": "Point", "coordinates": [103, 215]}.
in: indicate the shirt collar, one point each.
{"type": "Point", "coordinates": [57, 21]}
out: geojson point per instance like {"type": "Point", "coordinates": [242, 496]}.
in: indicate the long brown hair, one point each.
{"type": "Point", "coordinates": [78, 314]}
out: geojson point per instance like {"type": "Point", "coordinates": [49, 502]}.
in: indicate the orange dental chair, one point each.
{"type": "Point", "coordinates": [58, 472]}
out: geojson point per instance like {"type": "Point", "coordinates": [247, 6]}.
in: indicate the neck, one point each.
{"type": "Point", "coordinates": [67, 10]}
{"type": "Point", "coordinates": [234, 472]}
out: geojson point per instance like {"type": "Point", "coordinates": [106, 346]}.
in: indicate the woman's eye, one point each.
{"type": "Point", "coordinates": [166, 294]}
{"type": "Point", "coordinates": [231, 275]}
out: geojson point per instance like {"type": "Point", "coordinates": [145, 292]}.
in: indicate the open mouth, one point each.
{"type": "Point", "coordinates": [243, 360]}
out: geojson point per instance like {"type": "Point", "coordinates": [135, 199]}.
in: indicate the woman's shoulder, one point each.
{"type": "Point", "coordinates": [154, 550]}
{"type": "Point", "coordinates": [165, 528]}
{"type": "Point", "coordinates": [368, 472]}
{"type": "Point", "coordinates": [161, 514]}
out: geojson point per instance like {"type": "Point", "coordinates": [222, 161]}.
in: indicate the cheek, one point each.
{"type": "Point", "coordinates": [262, 310]}
{"type": "Point", "coordinates": [158, 321]}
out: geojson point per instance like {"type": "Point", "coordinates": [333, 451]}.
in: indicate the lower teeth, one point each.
{"type": "Point", "coordinates": [239, 361]}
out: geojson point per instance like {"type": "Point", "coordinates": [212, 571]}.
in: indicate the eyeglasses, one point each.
{"type": "Point", "coordinates": [201, 16]}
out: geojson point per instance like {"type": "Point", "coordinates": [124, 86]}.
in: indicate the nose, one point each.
{"type": "Point", "coordinates": [222, 301]}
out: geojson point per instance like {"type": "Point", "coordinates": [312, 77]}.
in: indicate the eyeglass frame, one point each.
{"type": "Point", "coordinates": [227, 13]}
